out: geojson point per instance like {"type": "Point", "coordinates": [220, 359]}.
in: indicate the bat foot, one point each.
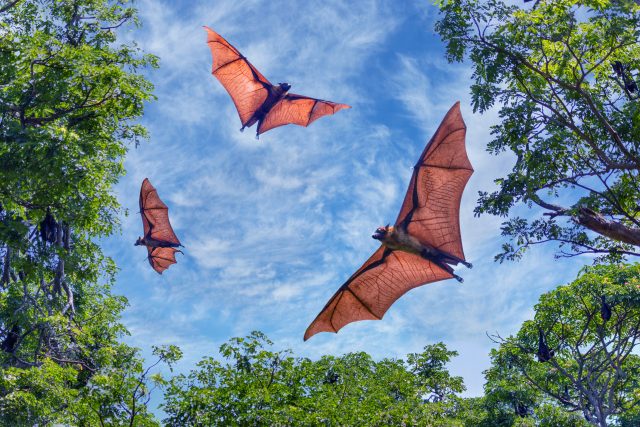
{"type": "Point", "coordinates": [242, 129]}
{"type": "Point", "coordinates": [467, 264]}
{"type": "Point", "coordinates": [458, 278]}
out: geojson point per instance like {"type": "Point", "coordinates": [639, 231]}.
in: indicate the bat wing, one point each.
{"type": "Point", "coordinates": [298, 110]}
{"type": "Point", "coordinates": [155, 215]}
{"type": "Point", "coordinates": [369, 293]}
{"type": "Point", "coordinates": [431, 208]}
{"type": "Point", "coordinates": [161, 258]}
{"type": "Point", "coordinates": [246, 86]}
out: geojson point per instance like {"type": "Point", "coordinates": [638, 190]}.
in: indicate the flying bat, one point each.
{"type": "Point", "coordinates": [422, 244]}
{"type": "Point", "coordinates": [159, 238]}
{"type": "Point", "coordinates": [255, 98]}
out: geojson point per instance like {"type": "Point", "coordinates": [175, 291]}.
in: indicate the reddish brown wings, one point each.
{"type": "Point", "coordinates": [246, 86]}
{"type": "Point", "coordinates": [431, 208]}
{"type": "Point", "coordinates": [155, 215]}
{"type": "Point", "coordinates": [161, 258]}
{"type": "Point", "coordinates": [156, 226]}
{"type": "Point", "coordinates": [430, 213]}
{"type": "Point", "coordinates": [299, 110]}
{"type": "Point", "coordinates": [369, 293]}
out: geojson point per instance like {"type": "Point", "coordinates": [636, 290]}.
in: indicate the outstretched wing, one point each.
{"type": "Point", "coordinates": [155, 215]}
{"type": "Point", "coordinates": [246, 86]}
{"type": "Point", "coordinates": [161, 258]}
{"type": "Point", "coordinates": [431, 208]}
{"type": "Point", "coordinates": [298, 110]}
{"type": "Point", "coordinates": [369, 293]}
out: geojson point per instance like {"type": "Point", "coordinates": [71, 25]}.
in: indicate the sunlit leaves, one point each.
{"type": "Point", "coordinates": [572, 127]}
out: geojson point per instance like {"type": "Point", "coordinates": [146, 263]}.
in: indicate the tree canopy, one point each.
{"type": "Point", "coordinates": [563, 74]}
{"type": "Point", "coordinates": [70, 93]}
{"type": "Point", "coordinates": [256, 385]}
{"type": "Point", "coordinates": [591, 328]}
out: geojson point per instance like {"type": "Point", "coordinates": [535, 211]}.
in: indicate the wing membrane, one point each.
{"type": "Point", "coordinates": [247, 87]}
{"type": "Point", "coordinates": [369, 293]}
{"type": "Point", "coordinates": [298, 110]}
{"type": "Point", "coordinates": [155, 215]}
{"type": "Point", "coordinates": [161, 258]}
{"type": "Point", "coordinates": [431, 208]}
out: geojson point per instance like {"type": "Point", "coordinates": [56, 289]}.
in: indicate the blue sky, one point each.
{"type": "Point", "coordinates": [272, 228]}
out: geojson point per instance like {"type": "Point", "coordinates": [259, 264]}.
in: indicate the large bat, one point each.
{"type": "Point", "coordinates": [159, 238]}
{"type": "Point", "coordinates": [420, 246]}
{"type": "Point", "coordinates": [255, 98]}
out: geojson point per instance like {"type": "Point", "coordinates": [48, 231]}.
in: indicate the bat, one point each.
{"type": "Point", "coordinates": [628, 84]}
{"type": "Point", "coordinates": [544, 353]}
{"type": "Point", "coordinates": [255, 98]}
{"type": "Point", "coordinates": [9, 343]}
{"type": "Point", "coordinates": [422, 244]}
{"type": "Point", "coordinates": [49, 228]}
{"type": "Point", "coordinates": [159, 238]}
{"type": "Point", "coordinates": [605, 309]}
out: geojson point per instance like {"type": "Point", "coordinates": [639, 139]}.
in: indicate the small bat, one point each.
{"type": "Point", "coordinates": [605, 309]}
{"type": "Point", "coordinates": [49, 228]}
{"type": "Point", "coordinates": [255, 98]}
{"type": "Point", "coordinates": [628, 84]}
{"type": "Point", "coordinates": [544, 352]}
{"type": "Point", "coordinates": [421, 244]}
{"type": "Point", "coordinates": [521, 409]}
{"type": "Point", "coordinates": [9, 343]}
{"type": "Point", "coordinates": [159, 238]}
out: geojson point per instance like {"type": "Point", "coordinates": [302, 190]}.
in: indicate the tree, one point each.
{"type": "Point", "coordinates": [69, 96]}
{"type": "Point", "coordinates": [564, 76]}
{"type": "Point", "coordinates": [258, 386]}
{"type": "Point", "coordinates": [591, 328]}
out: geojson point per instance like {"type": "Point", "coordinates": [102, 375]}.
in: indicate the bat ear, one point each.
{"type": "Point", "coordinates": [386, 227]}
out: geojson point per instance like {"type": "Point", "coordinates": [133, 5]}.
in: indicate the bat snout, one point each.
{"type": "Point", "coordinates": [379, 234]}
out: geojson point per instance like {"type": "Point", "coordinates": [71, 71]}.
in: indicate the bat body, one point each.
{"type": "Point", "coordinates": [148, 241]}
{"type": "Point", "coordinates": [623, 73]}
{"type": "Point", "coordinates": [49, 228]}
{"type": "Point", "coordinates": [399, 239]}
{"type": "Point", "coordinates": [605, 309]}
{"type": "Point", "coordinates": [544, 352]}
{"type": "Point", "coordinates": [275, 94]}
{"type": "Point", "coordinates": [423, 243]}
{"type": "Point", "coordinates": [159, 237]}
{"type": "Point", "coordinates": [255, 98]}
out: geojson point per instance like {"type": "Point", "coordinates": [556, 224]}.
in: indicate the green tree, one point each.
{"type": "Point", "coordinates": [258, 386]}
{"type": "Point", "coordinates": [591, 327]}
{"type": "Point", "coordinates": [558, 73]}
{"type": "Point", "coordinates": [69, 96]}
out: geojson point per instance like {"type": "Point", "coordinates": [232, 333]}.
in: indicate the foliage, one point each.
{"type": "Point", "coordinates": [69, 95]}
{"type": "Point", "coordinates": [571, 120]}
{"type": "Point", "coordinates": [116, 395]}
{"type": "Point", "coordinates": [594, 368]}
{"type": "Point", "coordinates": [260, 386]}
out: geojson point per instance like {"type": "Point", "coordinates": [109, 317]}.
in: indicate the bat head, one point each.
{"type": "Point", "coordinates": [381, 232]}
{"type": "Point", "coordinates": [139, 242]}
{"type": "Point", "coordinates": [285, 86]}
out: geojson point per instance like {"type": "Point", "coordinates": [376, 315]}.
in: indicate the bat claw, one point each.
{"type": "Point", "coordinates": [242, 129]}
